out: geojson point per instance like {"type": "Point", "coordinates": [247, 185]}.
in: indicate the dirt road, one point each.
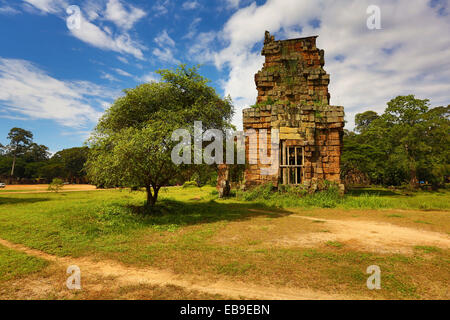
{"type": "Point", "coordinates": [97, 274]}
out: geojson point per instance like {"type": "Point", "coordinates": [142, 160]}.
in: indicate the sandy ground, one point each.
{"type": "Point", "coordinates": [95, 273]}
{"type": "Point", "coordinates": [379, 237]}
{"type": "Point", "coordinates": [40, 188]}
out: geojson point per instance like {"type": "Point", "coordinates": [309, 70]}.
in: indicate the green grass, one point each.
{"type": "Point", "coordinates": [427, 249]}
{"type": "Point", "coordinates": [15, 264]}
{"type": "Point", "coordinates": [363, 198]}
{"type": "Point", "coordinates": [186, 234]}
{"type": "Point", "coordinates": [335, 244]}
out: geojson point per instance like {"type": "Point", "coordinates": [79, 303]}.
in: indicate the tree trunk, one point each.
{"type": "Point", "coordinates": [13, 166]}
{"type": "Point", "coordinates": [151, 197]}
{"type": "Point", "coordinates": [412, 169]}
{"type": "Point", "coordinates": [155, 193]}
{"type": "Point", "coordinates": [413, 178]}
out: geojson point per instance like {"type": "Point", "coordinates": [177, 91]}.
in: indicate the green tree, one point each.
{"type": "Point", "coordinates": [36, 153]}
{"type": "Point", "coordinates": [56, 185]}
{"type": "Point", "coordinates": [131, 145]}
{"type": "Point", "coordinates": [19, 142]}
{"type": "Point", "coordinates": [73, 161]}
{"type": "Point", "coordinates": [363, 120]}
{"type": "Point", "coordinates": [408, 142]}
{"type": "Point", "coordinates": [405, 117]}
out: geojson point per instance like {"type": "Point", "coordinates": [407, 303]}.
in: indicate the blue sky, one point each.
{"type": "Point", "coordinates": [56, 82]}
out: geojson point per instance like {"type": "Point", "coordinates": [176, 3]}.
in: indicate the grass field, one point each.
{"type": "Point", "coordinates": [320, 247]}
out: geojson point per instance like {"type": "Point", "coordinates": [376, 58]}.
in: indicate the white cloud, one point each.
{"type": "Point", "coordinates": [163, 39]}
{"type": "Point", "coordinates": [149, 77]}
{"type": "Point", "coordinates": [122, 59]}
{"type": "Point", "coordinates": [92, 34]}
{"type": "Point", "coordinates": [8, 10]}
{"type": "Point", "coordinates": [165, 55]}
{"type": "Point", "coordinates": [108, 76]}
{"type": "Point", "coordinates": [122, 72]}
{"type": "Point", "coordinates": [160, 7]}
{"type": "Point", "coordinates": [368, 77]}
{"type": "Point", "coordinates": [190, 5]}
{"type": "Point", "coordinates": [192, 28]}
{"type": "Point", "coordinates": [201, 48]}
{"type": "Point", "coordinates": [49, 6]}
{"type": "Point", "coordinates": [93, 9]}
{"type": "Point", "coordinates": [27, 90]}
{"type": "Point", "coordinates": [167, 45]}
{"type": "Point", "coordinates": [123, 18]}
{"type": "Point", "coordinates": [233, 4]}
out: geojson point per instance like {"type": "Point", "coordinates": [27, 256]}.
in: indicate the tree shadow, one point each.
{"type": "Point", "coordinates": [173, 212]}
{"type": "Point", "coordinates": [6, 200]}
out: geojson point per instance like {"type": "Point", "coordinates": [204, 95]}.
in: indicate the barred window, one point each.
{"type": "Point", "coordinates": [291, 162]}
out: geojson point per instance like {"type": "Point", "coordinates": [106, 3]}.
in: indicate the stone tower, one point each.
{"type": "Point", "coordinates": [293, 98]}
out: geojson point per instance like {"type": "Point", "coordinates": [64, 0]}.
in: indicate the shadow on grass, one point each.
{"type": "Point", "coordinates": [173, 212]}
{"type": "Point", "coordinates": [6, 200]}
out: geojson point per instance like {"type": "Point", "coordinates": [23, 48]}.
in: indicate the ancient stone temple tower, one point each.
{"type": "Point", "coordinates": [293, 98]}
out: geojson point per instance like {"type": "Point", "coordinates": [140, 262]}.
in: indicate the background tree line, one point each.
{"type": "Point", "coordinates": [24, 161]}
{"type": "Point", "coordinates": [409, 143]}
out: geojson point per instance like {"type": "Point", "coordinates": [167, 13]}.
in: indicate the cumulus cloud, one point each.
{"type": "Point", "coordinates": [8, 10]}
{"type": "Point", "coordinates": [122, 59]}
{"type": "Point", "coordinates": [108, 76]}
{"type": "Point", "coordinates": [165, 55]}
{"type": "Point", "coordinates": [49, 6]}
{"type": "Point", "coordinates": [190, 5]}
{"type": "Point", "coordinates": [103, 38]}
{"type": "Point", "coordinates": [410, 54]}
{"type": "Point", "coordinates": [122, 72]}
{"type": "Point", "coordinates": [233, 3]}
{"type": "Point", "coordinates": [192, 31]}
{"type": "Point", "coordinates": [160, 7]}
{"type": "Point", "coordinates": [167, 45]}
{"type": "Point", "coordinates": [202, 47]}
{"type": "Point", "coordinates": [27, 90]}
{"type": "Point", "coordinates": [163, 39]}
{"type": "Point", "coordinates": [122, 17]}
{"type": "Point", "coordinates": [149, 77]}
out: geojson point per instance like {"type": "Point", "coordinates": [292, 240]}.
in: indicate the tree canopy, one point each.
{"type": "Point", "coordinates": [131, 145]}
{"type": "Point", "coordinates": [24, 159]}
{"type": "Point", "coordinates": [409, 142]}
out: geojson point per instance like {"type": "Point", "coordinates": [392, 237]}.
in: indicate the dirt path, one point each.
{"type": "Point", "coordinates": [366, 235]}
{"type": "Point", "coordinates": [46, 191]}
{"type": "Point", "coordinates": [92, 270]}
{"type": "Point", "coordinates": [373, 236]}
{"type": "Point", "coordinates": [43, 188]}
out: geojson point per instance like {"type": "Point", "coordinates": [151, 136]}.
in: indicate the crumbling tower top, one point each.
{"type": "Point", "coordinates": [293, 71]}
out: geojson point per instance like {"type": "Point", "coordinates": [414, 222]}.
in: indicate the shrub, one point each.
{"type": "Point", "coordinates": [328, 198]}
{"type": "Point", "coordinates": [294, 196]}
{"type": "Point", "coordinates": [190, 184]}
{"type": "Point", "coordinates": [55, 185]}
{"type": "Point", "coordinates": [263, 192]}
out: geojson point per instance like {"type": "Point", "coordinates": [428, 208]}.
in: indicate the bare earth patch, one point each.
{"type": "Point", "coordinates": [94, 273]}
{"type": "Point", "coordinates": [367, 236]}
{"type": "Point", "coordinates": [42, 188]}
